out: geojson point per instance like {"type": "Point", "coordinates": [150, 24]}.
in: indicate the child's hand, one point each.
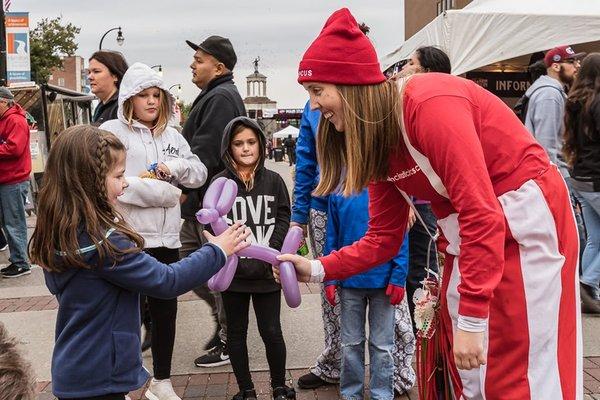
{"type": "Point", "coordinates": [163, 172]}
{"type": "Point", "coordinates": [395, 292]}
{"type": "Point", "coordinates": [232, 240]}
{"type": "Point", "coordinates": [330, 294]}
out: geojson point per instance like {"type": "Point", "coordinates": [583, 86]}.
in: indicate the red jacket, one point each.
{"type": "Point", "coordinates": [462, 148]}
{"type": "Point", "coordinates": [15, 157]}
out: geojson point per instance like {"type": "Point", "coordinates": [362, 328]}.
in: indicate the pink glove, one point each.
{"type": "Point", "coordinates": [396, 293]}
{"type": "Point", "coordinates": [330, 294]}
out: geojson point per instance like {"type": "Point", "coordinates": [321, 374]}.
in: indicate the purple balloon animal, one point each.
{"type": "Point", "coordinates": [218, 200]}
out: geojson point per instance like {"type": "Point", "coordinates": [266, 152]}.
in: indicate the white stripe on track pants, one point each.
{"type": "Point", "coordinates": [534, 346]}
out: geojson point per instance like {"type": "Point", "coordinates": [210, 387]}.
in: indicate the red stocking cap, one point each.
{"type": "Point", "coordinates": [341, 54]}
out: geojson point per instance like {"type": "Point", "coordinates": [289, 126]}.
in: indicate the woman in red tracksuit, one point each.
{"type": "Point", "coordinates": [509, 305]}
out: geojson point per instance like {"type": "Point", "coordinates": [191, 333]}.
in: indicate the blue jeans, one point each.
{"type": "Point", "coordinates": [13, 221]}
{"type": "Point", "coordinates": [381, 343]}
{"type": "Point", "coordinates": [590, 263]}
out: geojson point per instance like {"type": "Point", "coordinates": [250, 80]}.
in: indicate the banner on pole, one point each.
{"type": "Point", "coordinates": [18, 64]}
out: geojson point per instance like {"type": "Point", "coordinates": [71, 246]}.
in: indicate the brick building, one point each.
{"type": "Point", "coordinates": [71, 76]}
{"type": "Point", "coordinates": [418, 13]}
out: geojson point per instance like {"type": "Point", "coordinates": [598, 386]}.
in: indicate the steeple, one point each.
{"type": "Point", "coordinates": [256, 82]}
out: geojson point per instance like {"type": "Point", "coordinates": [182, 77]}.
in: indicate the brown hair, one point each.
{"type": "Point", "coordinates": [351, 159]}
{"type": "Point", "coordinates": [16, 377]}
{"type": "Point", "coordinates": [248, 180]}
{"type": "Point", "coordinates": [582, 95]}
{"type": "Point", "coordinates": [164, 112]}
{"type": "Point", "coordinates": [114, 61]}
{"type": "Point", "coordinates": [72, 200]}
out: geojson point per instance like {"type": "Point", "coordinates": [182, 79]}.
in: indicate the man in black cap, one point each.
{"type": "Point", "coordinates": [217, 104]}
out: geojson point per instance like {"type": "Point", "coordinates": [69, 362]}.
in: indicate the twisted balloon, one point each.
{"type": "Point", "coordinates": [218, 200]}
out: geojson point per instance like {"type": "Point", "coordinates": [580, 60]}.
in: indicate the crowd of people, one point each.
{"type": "Point", "coordinates": [389, 171]}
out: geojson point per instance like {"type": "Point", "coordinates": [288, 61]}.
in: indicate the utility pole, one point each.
{"type": "Point", "coordinates": [3, 73]}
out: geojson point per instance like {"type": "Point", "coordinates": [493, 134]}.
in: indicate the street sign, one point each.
{"type": "Point", "coordinates": [17, 47]}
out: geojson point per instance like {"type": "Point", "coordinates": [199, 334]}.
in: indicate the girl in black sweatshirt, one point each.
{"type": "Point", "coordinates": [263, 204]}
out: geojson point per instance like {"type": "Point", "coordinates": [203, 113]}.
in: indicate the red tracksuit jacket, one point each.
{"type": "Point", "coordinates": [462, 148]}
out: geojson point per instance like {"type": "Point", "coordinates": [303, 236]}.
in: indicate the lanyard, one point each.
{"type": "Point", "coordinates": [432, 237]}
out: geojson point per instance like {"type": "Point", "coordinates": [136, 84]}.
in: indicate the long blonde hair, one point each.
{"type": "Point", "coordinates": [164, 112]}
{"type": "Point", "coordinates": [72, 201]}
{"type": "Point", "coordinates": [351, 159]}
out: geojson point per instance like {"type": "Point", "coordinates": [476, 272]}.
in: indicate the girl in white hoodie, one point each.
{"type": "Point", "coordinates": [158, 161]}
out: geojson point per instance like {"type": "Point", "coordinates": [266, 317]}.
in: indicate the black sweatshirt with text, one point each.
{"type": "Point", "coordinates": [265, 210]}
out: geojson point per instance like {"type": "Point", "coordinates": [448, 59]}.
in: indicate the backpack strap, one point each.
{"type": "Point", "coordinates": [544, 86]}
{"type": "Point", "coordinates": [432, 236]}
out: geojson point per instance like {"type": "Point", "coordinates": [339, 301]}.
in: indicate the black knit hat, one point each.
{"type": "Point", "coordinates": [218, 47]}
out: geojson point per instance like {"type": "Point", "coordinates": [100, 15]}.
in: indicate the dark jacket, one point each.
{"type": "Point", "coordinates": [97, 348]}
{"type": "Point", "coordinates": [212, 110]}
{"type": "Point", "coordinates": [265, 210]}
{"type": "Point", "coordinates": [106, 111]}
{"type": "Point", "coordinates": [289, 144]}
{"type": "Point", "coordinates": [587, 164]}
{"type": "Point", "coordinates": [15, 157]}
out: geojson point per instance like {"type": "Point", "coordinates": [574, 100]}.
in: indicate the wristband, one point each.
{"type": "Point", "coordinates": [472, 324]}
{"type": "Point", "coordinates": [317, 272]}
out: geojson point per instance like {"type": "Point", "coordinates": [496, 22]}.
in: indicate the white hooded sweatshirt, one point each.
{"type": "Point", "coordinates": [151, 206]}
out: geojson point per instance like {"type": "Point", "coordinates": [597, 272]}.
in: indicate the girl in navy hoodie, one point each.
{"type": "Point", "coordinates": [263, 204]}
{"type": "Point", "coordinates": [94, 265]}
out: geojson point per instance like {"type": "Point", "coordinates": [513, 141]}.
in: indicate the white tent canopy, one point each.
{"type": "Point", "coordinates": [490, 31]}
{"type": "Point", "coordinates": [285, 132]}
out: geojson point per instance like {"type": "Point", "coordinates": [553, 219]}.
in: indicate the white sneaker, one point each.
{"type": "Point", "coordinates": [161, 390]}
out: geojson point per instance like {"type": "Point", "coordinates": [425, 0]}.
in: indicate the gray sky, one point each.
{"type": "Point", "coordinates": [277, 31]}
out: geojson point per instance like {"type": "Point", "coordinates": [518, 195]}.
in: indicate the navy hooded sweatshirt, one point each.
{"type": "Point", "coordinates": [97, 348]}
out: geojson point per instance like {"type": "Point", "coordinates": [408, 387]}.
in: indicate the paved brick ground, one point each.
{"type": "Point", "coordinates": [39, 303]}
{"type": "Point", "coordinates": [222, 386]}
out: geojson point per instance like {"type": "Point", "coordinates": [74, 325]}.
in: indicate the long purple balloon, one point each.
{"type": "Point", "coordinates": [287, 272]}
{"type": "Point", "coordinates": [211, 197]}
{"type": "Point", "coordinates": [222, 279]}
{"type": "Point", "coordinates": [260, 252]}
{"type": "Point", "coordinates": [218, 200]}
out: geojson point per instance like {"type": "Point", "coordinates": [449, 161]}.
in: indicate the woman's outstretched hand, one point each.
{"type": "Point", "coordinates": [301, 264]}
{"type": "Point", "coordinates": [232, 240]}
